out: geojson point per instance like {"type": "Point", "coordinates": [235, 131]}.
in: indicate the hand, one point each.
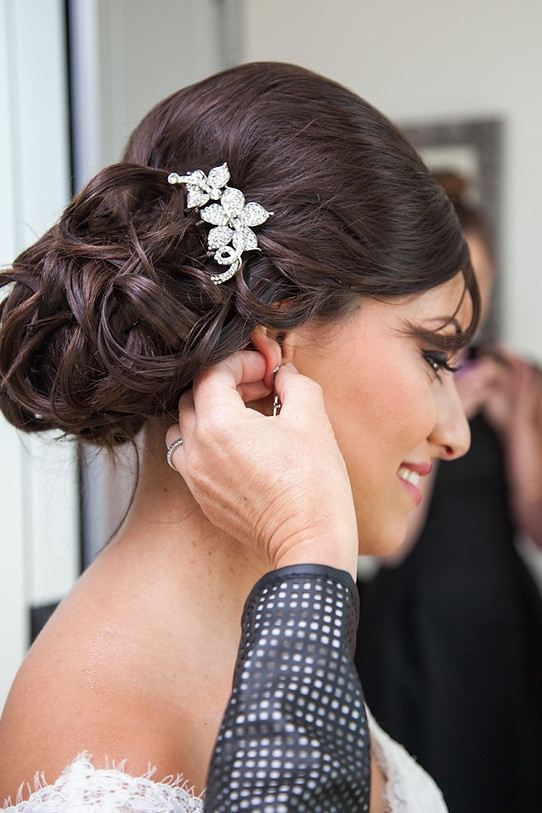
{"type": "Point", "coordinates": [277, 484]}
{"type": "Point", "coordinates": [515, 402]}
{"type": "Point", "coordinates": [475, 382]}
{"type": "Point", "coordinates": [514, 409]}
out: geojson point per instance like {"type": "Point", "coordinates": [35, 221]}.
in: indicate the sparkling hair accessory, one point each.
{"type": "Point", "coordinates": [231, 217]}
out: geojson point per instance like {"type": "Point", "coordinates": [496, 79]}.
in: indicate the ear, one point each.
{"type": "Point", "coordinates": [265, 341]}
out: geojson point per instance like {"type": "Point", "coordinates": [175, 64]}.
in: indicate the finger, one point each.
{"type": "Point", "coordinates": [183, 429]}
{"type": "Point", "coordinates": [526, 390]}
{"type": "Point", "coordinates": [186, 405]}
{"type": "Point", "coordinates": [505, 355]}
{"type": "Point", "coordinates": [173, 432]}
{"type": "Point", "coordinates": [488, 372]}
{"type": "Point", "coordinates": [254, 391]}
{"type": "Point", "coordinates": [227, 384]}
{"type": "Point", "coordinates": [297, 393]}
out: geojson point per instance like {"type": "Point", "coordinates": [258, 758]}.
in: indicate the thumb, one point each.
{"type": "Point", "coordinates": [297, 393]}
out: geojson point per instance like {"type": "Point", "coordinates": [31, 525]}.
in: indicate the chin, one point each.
{"type": "Point", "coordinates": [385, 542]}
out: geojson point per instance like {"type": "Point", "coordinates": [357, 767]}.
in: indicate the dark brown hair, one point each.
{"type": "Point", "coordinates": [112, 312]}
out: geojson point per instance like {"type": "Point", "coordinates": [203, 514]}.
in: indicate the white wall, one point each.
{"type": "Point", "coordinates": [432, 59]}
{"type": "Point", "coordinates": [38, 484]}
{"type": "Point", "coordinates": [130, 54]}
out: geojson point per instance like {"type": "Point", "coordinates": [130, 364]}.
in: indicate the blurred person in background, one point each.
{"type": "Point", "coordinates": [450, 639]}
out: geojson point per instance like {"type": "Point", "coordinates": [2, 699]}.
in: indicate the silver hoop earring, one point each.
{"type": "Point", "coordinates": [171, 449]}
{"type": "Point", "coordinates": [277, 406]}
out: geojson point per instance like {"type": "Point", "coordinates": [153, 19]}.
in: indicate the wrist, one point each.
{"type": "Point", "coordinates": [339, 551]}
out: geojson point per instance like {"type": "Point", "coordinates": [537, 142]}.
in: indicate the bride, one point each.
{"type": "Point", "coordinates": [261, 222]}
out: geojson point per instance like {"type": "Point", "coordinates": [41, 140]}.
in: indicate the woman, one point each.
{"type": "Point", "coordinates": [450, 638]}
{"type": "Point", "coordinates": [348, 262]}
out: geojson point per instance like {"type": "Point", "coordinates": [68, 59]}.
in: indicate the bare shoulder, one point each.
{"type": "Point", "coordinates": [90, 683]}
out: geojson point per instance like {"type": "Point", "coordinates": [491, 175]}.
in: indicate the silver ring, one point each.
{"type": "Point", "coordinates": [171, 449]}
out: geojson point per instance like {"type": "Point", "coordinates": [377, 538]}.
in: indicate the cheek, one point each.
{"type": "Point", "coordinates": [384, 415]}
{"type": "Point", "coordinates": [409, 407]}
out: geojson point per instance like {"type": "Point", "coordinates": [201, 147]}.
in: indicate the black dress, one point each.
{"type": "Point", "coordinates": [449, 645]}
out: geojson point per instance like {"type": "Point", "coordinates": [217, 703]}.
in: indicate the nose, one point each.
{"type": "Point", "coordinates": [451, 432]}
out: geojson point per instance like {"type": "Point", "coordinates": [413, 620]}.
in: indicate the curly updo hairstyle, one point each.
{"type": "Point", "coordinates": [112, 312]}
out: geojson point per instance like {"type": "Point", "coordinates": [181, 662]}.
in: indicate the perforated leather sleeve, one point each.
{"type": "Point", "coordinates": [294, 736]}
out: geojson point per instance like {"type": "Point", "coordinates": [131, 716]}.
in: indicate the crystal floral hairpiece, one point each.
{"type": "Point", "coordinates": [231, 217]}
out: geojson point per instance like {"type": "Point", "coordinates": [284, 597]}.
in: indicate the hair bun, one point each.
{"type": "Point", "coordinates": [92, 330]}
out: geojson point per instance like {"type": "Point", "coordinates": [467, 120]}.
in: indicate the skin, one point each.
{"type": "Point", "coordinates": [483, 267]}
{"type": "Point", "coordinates": [177, 564]}
{"type": "Point", "coordinates": [380, 390]}
{"type": "Point", "coordinates": [508, 389]}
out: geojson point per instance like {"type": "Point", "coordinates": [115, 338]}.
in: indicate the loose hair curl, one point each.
{"type": "Point", "coordinates": [112, 312]}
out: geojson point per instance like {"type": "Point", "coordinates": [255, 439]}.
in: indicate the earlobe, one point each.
{"type": "Point", "coordinates": [265, 341]}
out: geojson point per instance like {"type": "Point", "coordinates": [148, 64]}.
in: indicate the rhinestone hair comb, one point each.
{"type": "Point", "coordinates": [223, 207]}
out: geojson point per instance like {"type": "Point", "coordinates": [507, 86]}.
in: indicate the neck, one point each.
{"type": "Point", "coordinates": [169, 590]}
{"type": "Point", "coordinates": [165, 521]}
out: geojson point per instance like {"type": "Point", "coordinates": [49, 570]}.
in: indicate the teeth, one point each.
{"type": "Point", "coordinates": [409, 475]}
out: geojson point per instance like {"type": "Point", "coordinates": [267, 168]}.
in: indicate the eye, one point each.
{"type": "Point", "coordinates": [439, 361]}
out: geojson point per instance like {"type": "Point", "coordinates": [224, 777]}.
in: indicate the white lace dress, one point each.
{"type": "Point", "coordinates": [82, 788]}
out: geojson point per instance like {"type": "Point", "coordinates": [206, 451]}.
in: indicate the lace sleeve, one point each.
{"type": "Point", "coordinates": [294, 735]}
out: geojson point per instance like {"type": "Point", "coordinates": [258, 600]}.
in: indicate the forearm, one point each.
{"type": "Point", "coordinates": [523, 454]}
{"type": "Point", "coordinates": [529, 518]}
{"type": "Point", "coordinates": [526, 505]}
{"type": "Point", "coordinates": [294, 735]}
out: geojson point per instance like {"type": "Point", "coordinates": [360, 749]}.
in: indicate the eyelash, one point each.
{"type": "Point", "coordinates": [439, 361]}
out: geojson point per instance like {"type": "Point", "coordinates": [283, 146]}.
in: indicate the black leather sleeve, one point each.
{"type": "Point", "coordinates": [294, 736]}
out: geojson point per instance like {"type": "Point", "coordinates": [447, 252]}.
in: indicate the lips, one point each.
{"type": "Point", "coordinates": [410, 474]}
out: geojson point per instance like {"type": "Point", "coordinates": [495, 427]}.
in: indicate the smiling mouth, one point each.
{"type": "Point", "coordinates": [408, 475]}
